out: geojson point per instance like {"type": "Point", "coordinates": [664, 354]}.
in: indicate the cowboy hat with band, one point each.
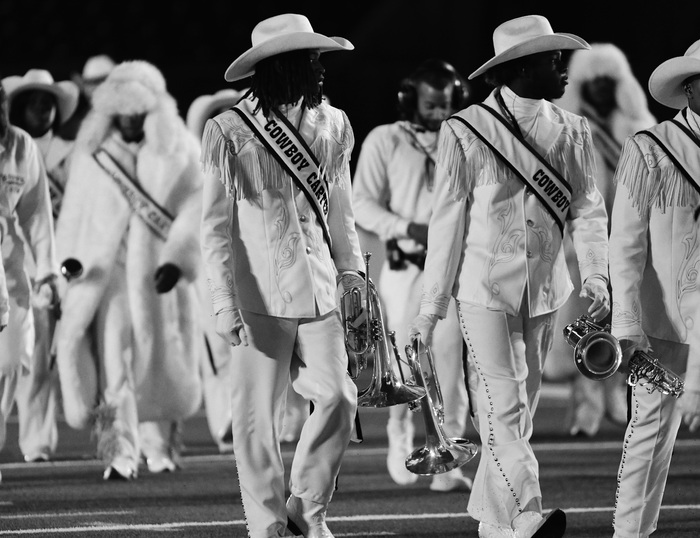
{"type": "Point", "coordinates": [666, 81]}
{"type": "Point", "coordinates": [524, 36]}
{"type": "Point", "coordinates": [66, 92]}
{"type": "Point", "coordinates": [279, 34]}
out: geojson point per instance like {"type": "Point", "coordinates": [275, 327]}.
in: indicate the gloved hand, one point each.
{"type": "Point", "coordinates": [596, 288]}
{"type": "Point", "coordinates": [45, 293]}
{"type": "Point", "coordinates": [423, 326]}
{"type": "Point", "coordinates": [689, 405]}
{"type": "Point", "coordinates": [166, 277]}
{"type": "Point", "coordinates": [229, 325]}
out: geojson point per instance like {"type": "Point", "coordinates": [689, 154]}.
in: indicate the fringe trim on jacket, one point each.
{"type": "Point", "coordinates": [246, 173]}
{"type": "Point", "coordinates": [651, 178]}
{"type": "Point", "coordinates": [485, 168]}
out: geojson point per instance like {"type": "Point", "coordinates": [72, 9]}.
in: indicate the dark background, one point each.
{"type": "Point", "coordinates": [194, 41]}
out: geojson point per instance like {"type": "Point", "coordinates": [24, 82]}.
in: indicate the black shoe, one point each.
{"type": "Point", "coordinates": [552, 526]}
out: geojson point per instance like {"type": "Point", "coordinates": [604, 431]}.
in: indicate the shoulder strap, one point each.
{"type": "Point", "coordinates": [294, 155]}
{"type": "Point", "coordinates": [156, 217]}
{"type": "Point", "coordinates": [521, 158]}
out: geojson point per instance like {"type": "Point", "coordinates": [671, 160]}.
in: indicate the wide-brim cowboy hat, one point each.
{"type": "Point", "coordinates": [205, 106]}
{"type": "Point", "coordinates": [65, 91]}
{"type": "Point", "coordinates": [527, 35]}
{"type": "Point", "coordinates": [666, 81]}
{"type": "Point", "coordinates": [278, 34]}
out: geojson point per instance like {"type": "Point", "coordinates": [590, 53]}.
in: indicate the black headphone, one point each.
{"type": "Point", "coordinates": [431, 71]}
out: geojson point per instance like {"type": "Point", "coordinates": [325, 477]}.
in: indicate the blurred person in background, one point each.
{"type": "Point", "coordinates": [26, 228]}
{"type": "Point", "coordinates": [94, 73]}
{"type": "Point", "coordinates": [392, 198]}
{"type": "Point", "coordinates": [603, 89]}
{"type": "Point", "coordinates": [40, 105]}
{"type": "Point", "coordinates": [130, 341]}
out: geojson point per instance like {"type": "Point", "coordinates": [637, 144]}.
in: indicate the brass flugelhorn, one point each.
{"type": "Point", "coordinates": [366, 335]}
{"type": "Point", "coordinates": [597, 353]}
{"type": "Point", "coordinates": [440, 453]}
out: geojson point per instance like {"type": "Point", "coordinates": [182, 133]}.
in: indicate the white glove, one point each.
{"type": "Point", "coordinates": [689, 404]}
{"type": "Point", "coordinates": [45, 293]}
{"type": "Point", "coordinates": [596, 288]}
{"type": "Point", "coordinates": [423, 326]}
{"type": "Point", "coordinates": [229, 325]}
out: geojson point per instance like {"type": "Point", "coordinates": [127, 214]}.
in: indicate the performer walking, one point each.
{"type": "Point", "coordinates": [511, 173]}
{"type": "Point", "coordinates": [654, 260]}
{"type": "Point", "coordinates": [278, 235]}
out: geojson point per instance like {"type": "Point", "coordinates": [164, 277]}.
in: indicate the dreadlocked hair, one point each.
{"type": "Point", "coordinates": [283, 79]}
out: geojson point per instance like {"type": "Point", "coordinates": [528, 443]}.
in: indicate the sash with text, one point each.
{"type": "Point", "coordinates": [294, 155]}
{"type": "Point", "coordinates": [522, 159]}
{"type": "Point", "coordinates": [155, 217]}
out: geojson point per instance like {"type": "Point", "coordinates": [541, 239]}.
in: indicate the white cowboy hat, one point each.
{"type": "Point", "coordinates": [666, 82]}
{"type": "Point", "coordinates": [204, 107]}
{"type": "Point", "coordinates": [66, 91]}
{"type": "Point", "coordinates": [97, 68]}
{"type": "Point", "coordinates": [524, 36]}
{"type": "Point", "coordinates": [279, 34]}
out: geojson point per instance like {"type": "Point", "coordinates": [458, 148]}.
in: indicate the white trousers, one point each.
{"type": "Point", "coordinates": [312, 353]}
{"type": "Point", "coordinates": [504, 384]}
{"type": "Point", "coordinates": [38, 391]}
{"type": "Point", "coordinates": [646, 458]}
{"type": "Point", "coordinates": [400, 292]}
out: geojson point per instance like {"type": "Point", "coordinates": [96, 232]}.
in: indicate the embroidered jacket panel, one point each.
{"type": "Point", "coordinates": [492, 243]}
{"type": "Point", "coordinates": [263, 247]}
{"type": "Point", "coordinates": [655, 249]}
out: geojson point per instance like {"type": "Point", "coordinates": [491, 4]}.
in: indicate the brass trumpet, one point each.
{"type": "Point", "coordinates": [597, 353]}
{"type": "Point", "coordinates": [365, 335]}
{"type": "Point", "coordinates": [440, 453]}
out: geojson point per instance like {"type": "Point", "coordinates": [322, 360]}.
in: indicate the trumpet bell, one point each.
{"type": "Point", "coordinates": [441, 457]}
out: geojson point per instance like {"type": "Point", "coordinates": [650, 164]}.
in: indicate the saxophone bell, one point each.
{"type": "Point", "coordinates": [597, 353]}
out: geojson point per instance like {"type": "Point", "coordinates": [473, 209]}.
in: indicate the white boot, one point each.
{"type": "Point", "coordinates": [533, 525]}
{"type": "Point", "coordinates": [492, 531]}
{"type": "Point", "coordinates": [400, 437]}
{"type": "Point", "coordinates": [307, 517]}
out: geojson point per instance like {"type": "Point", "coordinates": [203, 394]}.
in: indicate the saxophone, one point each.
{"type": "Point", "coordinates": [648, 371]}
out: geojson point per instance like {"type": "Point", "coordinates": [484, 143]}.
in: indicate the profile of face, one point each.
{"type": "Point", "coordinates": [433, 105]}
{"type": "Point", "coordinates": [130, 126]}
{"type": "Point", "coordinates": [4, 113]}
{"type": "Point", "coordinates": [548, 75]}
{"type": "Point", "coordinates": [599, 92]}
{"type": "Point", "coordinates": [40, 112]}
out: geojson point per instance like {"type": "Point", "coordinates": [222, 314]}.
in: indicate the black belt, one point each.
{"type": "Point", "coordinates": [398, 258]}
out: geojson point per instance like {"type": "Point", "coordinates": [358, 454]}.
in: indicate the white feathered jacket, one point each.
{"type": "Point", "coordinates": [96, 225]}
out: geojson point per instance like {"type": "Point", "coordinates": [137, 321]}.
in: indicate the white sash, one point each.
{"type": "Point", "coordinates": [157, 218]}
{"type": "Point", "coordinates": [674, 142]}
{"type": "Point", "coordinates": [292, 152]}
{"type": "Point", "coordinates": [522, 159]}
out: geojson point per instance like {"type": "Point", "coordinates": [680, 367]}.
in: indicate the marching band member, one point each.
{"type": "Point", "coordinates": [511, 173]}
{"type": "Point", "coordinates": [129, 342]}
{"type": "Point", "coordinates": [654, 260]}
{"type": "Point", "coordinates": [392, 198]}
{"type": "Point", "coordinates": [40, 106]}
{"type": "Point", "coordinates": [26, 228]}
{"type": "Point", "coordinates": [278, 235]}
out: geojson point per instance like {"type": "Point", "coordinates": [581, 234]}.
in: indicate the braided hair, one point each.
{"type": "Point", "coordinates": [283, 79]}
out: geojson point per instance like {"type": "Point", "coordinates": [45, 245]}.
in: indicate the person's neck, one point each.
{"type": "Point", "coordinates": [522, 88]}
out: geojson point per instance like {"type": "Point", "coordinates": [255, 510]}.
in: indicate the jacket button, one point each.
{"type": "Point", "coordinates": [308, 250]}
{"type": "Point", "coordinates": [302, 218]}
{"type": "Point", "coordinates": [528, 191]}
{"type": "Point", "coordinates": [528, 254]}
{"type": "Point", "coordinates": [530, 222]}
